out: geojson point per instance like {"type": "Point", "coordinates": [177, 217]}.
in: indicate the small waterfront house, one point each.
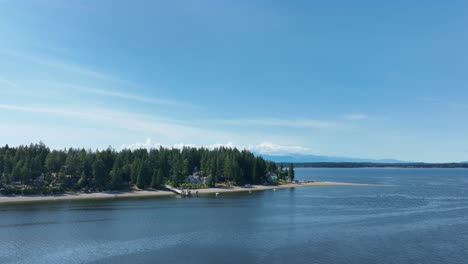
{"type": "Point", "coordinates": [39, 182]}
{"type": "Point", "coordinates": [196, 178]}
{"type": "Point", "coordinates": [271, 178]}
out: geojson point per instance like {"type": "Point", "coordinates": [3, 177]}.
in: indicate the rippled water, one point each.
{"type": "Point", "coordinates": [417, 216]}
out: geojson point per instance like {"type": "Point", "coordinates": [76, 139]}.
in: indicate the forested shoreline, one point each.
{"type": "Point", "coordinates": [36, 169]}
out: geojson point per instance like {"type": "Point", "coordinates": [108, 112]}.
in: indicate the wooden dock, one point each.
{"type": "Point", "coordinates": [178, 191]}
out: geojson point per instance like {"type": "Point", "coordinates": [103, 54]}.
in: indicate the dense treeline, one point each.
{"type": "Point", "coordinates": [38, 167]}
{"type": "Point", "coordinates": [378, 165]}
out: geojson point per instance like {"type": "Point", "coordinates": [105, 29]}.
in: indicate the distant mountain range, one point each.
{"type": "Point", "coordinates": [294, 158]}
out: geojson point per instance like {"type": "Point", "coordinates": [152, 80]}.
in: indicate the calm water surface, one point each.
{"type": "Point", "coordinates": [418, 216]}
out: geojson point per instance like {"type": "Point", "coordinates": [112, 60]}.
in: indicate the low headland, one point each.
{"type": "Point", "coordinates": [163, 193]}
{"type": "Point", "coordinates": [37, 173]}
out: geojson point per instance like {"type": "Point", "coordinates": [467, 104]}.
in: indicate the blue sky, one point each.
{"type": "Point", "coordinates": [368, 79]}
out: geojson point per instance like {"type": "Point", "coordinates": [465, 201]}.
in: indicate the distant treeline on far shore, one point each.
{"type": "Point", "coordinates": [378, 165]}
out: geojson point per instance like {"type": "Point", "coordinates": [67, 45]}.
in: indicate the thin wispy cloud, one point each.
{"type": "Point", "coordinates": [32, 109]}
{"type": "Point", "coordinates": [444, 102]}
{"type": "Point", "coordinates": [121, 120]}
{"type": "Point", "coordinates": [429, 99]}
{"type": "Point", "coordinates": [6, 82]}
{"type": "Point", "coordinates": [84, 71]}
{"type": "Point", "coordinates": [62, 65]}
{"type": "Point", "coordinates": [296, 123]}
{"type": "Point", "coordinates": [127, 96]}
{"type": "Point", "coordinates": [355, 117]}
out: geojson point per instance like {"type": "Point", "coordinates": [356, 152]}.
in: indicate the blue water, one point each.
{"type": "Point", "coordinates": [415, 216]}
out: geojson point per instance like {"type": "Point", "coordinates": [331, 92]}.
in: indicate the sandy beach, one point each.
{"type": "Point", "coordinates": [272, 187]}
{"type": "Point", "coordinates": [143, 194]}
{"type": "Point", "coordinates": [83, 196]}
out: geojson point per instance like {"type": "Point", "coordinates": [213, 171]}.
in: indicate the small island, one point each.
{"type": "Point", "coordinates": [37, 173]}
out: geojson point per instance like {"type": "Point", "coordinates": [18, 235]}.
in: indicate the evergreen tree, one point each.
{"type": "Point", "coordinates": [210, 181]}
{"type": "Point", "coordinates": [157, 179]}
{"type": "Point", "coordinates": [140, 179]}
{"type": "Point", "coordinates": [186, 170]}
{"type": "Point", "coordinates": [135, 169]}
{"type": "Point", "coordinates": [99, 173]}
{"type": "Point", "coordinates": [228, 168]}
{"type": "Point", "coordinates": [281, 174]}
{"type": "Point", "coordinates": [291, 172]}
{"type": "Point", "coordinates": [177, 176]}
{"type": "Point", "coordinates": [83, 182]}
{"type": "Point", "coordinates": [116, 177]}
{"type": "Point", "coordinates": [143, 175]}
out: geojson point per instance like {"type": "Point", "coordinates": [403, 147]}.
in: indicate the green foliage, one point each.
{"type": "Point", "coordinates": [37, 169]}
{"type": "Point", "coordinates": [30, 190]}
{"type": "Point", "coordinates": [193, 186]}
{"type": "Point", "coordinates": [281, 181]}
{"type": "Point", "coordinates": [211, 182]}
{"type": "Point", "coordinates": [157, 179]}
{"type": "Point", "coordinates": [291, 172]}
{"type": "Point", "coordinates": [100, 173]}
